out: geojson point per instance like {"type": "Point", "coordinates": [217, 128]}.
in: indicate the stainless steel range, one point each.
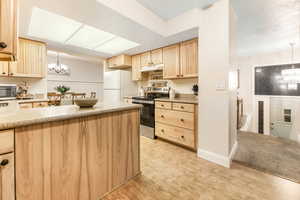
{"type": "Point", "coordinates": [148, 110]}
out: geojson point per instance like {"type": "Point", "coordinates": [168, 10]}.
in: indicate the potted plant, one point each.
{"type": "Point", "coordinates": [62, 89]}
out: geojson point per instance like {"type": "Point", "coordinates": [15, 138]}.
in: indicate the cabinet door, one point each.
{"type": "Point", "coordinates": [8, 29]}
{"type": "Point", "coordinates": [157, 56]}
{"type": "Point", "coordinates": [136, 66]}
{"type": "Point", "coordinates": [189, 58]}
{"type": "Point", "coordinates": [171, 62]}
{"type": "Point", "coordinates": [3, 68]}
{"type": "Point", "coordinates": [32, 60]}
{"type": "Point", "coordinates": [146, 59]}
{"type": "Point", "coordinates": [7, 188]}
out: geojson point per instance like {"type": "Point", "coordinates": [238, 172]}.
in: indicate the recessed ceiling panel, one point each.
{"type": "Point", "coordinates": [50, 26]}
{"type": "Point", "coordinates": [116, 45]}
{"type": "Point", "coordinates": [89, 37]}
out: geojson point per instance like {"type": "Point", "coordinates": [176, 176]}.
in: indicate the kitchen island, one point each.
{"type": "Point", "coordinates": [67, 153]}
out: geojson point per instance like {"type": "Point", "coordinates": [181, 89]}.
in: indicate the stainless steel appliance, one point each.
{"type": "Point", "coordinates": [8, 92]}
{"type": "Point", "coordinates": [148, 110]}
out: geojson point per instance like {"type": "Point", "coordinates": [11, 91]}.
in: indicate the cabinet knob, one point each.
{"type": "Point", "coordinates": [11, 74]}
{"type": "Point", "coordinates": [182, 137]}
{"type": "Point", "coordinates": [162, 105]}
{"type": "Point", "coordinates": [182, 107]}
{"type": "Point", "coordinates": [3, 45]}
{"type": "Point", "coordinates": [182, 120]}
{"type": "Point", "coordinates": [162, 116]}
{"type": "Point", "coordinates": [3, 73]}
{"type": "Point", "coordinates": [4, 162]}
{"type": "Point", "coordinates": [162, 130]}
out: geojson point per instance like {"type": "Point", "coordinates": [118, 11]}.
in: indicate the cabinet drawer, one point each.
{"type": "Point", "coordinates": [164, 105]}
{"type": "Point", "coordinates": [179, 135]}
{"type": "Point", "coordinates": [25, 105]}
{"type": "Point", "coordinates": [40, 104]}
{"type": "Point", "coordinates": [7, 177]}
{"type": "Point", "coordinates": [6, 141]}
{"type": "Point", "coordinates": [184, 107]}
{"type": "Point", "coordinates": [175, 118]}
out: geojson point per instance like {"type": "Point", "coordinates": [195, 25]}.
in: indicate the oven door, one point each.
{"type": "Point", "coordinates": [147, 114]}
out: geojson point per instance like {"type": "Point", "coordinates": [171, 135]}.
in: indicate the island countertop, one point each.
{"type": "Point", "coordinates": [20, 118]}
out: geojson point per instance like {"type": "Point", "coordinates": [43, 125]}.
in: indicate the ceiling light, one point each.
{"type": "Point", "coordinates": [50, 26]}
{"type": "Point", "coordinates": [89, 37]}
{"type": "Point", "coordinates": [116, 45]}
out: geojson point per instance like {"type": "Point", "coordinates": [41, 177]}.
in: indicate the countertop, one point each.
{"type": "Point", "coordinates": [179, 100]}
{"type": "Point", "coordinates": [32, 100]}
{"type": "Point", "coordinates": [21, 118]}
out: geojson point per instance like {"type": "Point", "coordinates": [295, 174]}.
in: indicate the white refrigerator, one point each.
{"type": "Point", "coordinates": [117, 85]}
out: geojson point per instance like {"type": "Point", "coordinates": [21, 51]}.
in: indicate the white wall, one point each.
{"type": "Point", "coordinates": [85, 77]}
{"type": "Point", "coordinates": [215, 106]}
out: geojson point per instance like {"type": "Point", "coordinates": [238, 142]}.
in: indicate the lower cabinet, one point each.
{"type": "Point", "coordinates": [177, 122]}
{"type": "Point", "coordinates": [33, 105]}
{"type": "Point", "coordinates": [81, 158]}
{"type": "Point", "coordinates": [7, 169]}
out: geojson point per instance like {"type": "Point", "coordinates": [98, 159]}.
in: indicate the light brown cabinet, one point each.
{"type": "Point", "coordinates": [177, 122]}
{"type": "Point", "coordinates": [171, 60]}
{"type": "Point", "coordinates": [87, 157]}
{"type": "Point", "coordinates": [189, 59]}
{"type": "Point", "coordinates": [8, 30]}
{"type": "Point", "coordinates": [32, 60]}
{"type": "Point", "coordinates": [146, 59]}
{"type": "Point", "coordinates": [157, 56]}
{"type": "Point", "coordinates": [7, 171]}
{"type": "Point", "coordinates": [119, 62]}
{"type": "Point", "coordinates": [29, 105]}
{"type": "Point", "coordinates": [136, 67]}
{"type": "Point", "coordinates": [4, 68]}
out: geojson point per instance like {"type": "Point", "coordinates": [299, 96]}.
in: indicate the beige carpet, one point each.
{"type": "Point", "coordinates": [278, 156]}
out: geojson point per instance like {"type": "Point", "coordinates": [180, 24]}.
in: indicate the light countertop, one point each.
{"type": "Point", "coordinates": [20, 118]}
{"type": "Point", "coordinates": [179, 100]}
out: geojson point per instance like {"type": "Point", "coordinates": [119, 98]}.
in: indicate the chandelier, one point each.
{"type": "Point", "coordinates": [58, 67]}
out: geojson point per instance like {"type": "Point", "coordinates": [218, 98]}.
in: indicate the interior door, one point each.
{"type": "Point", "coordinates": [7, 188]}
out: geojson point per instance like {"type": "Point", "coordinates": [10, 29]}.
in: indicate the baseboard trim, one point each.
{"type": "Point", "coordinates": [218, 159]}
{"type": "Point", "coordinates": [215, 158]}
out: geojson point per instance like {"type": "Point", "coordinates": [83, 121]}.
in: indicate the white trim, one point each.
{"type": "Point", "coordinates": [215, 158]}
{"type": "Point", "coordinates": [218, 159]}
{"type": "Point", "coordinates": [233, 151]}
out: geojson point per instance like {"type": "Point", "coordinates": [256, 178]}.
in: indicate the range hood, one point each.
{"type": "Point", "coordinates": [152, 68]}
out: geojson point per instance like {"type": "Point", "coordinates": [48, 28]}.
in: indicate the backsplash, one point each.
{"type": "Point", "coordinates": [182, 86]}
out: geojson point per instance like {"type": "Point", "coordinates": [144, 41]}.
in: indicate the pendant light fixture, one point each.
{"type": "Point", "coordinates": [58, 67]}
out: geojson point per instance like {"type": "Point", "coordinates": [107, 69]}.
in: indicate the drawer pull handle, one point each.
{"type": "Point", "coordinates": [3, 73]}
{"type": "Point", "coordinates": [162, 105]}
{"type": "Point", "coordinates": [182, 107]}
{"type": "Point", "coordinates": [4, 162]}
{"type": "Point", "coordinates": [182, 120]}
{"type": "Point", "coordinates": [162, 116]}
{"type": "Point", "coordinates": [162, 130]}
{"type": "Point", "coordinates": [3, 45]}
{"type": "Point", "coordinates": [182, 137]}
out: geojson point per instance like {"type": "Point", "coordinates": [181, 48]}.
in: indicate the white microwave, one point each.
{"type": "Point", "coordinates": [8, 91]}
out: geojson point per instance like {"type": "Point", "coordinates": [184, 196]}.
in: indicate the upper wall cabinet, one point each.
{"type": "Point", "coordinates": [8, 30]}
{"type": "Point", "coordinates": [136, 67]}
{"type": "Point", "coordinates": [171, 60]}
{"type": "Point", "coordinates": [146, 59]}
{"type": "Point", "coordinates": [189, 59]}
{"type": "Point", "coordinates": [4, 68]}
{"type": "Point", "coordinates": [32, 60]}
{"type": "Point", "coordinates": [119, 62]}
{"type": "Point", "coordinates": [157, 56]}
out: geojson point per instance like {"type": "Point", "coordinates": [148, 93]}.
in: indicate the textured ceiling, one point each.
{"type": "Point", "coordinates": [266, 25]}
{"type": "Point", "coordinates": [168, 9]}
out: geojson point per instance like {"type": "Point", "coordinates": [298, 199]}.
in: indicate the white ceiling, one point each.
{"type": "Point", "coordinates": [262, 25]}
{"type": "Point", "coordinates": [168, 9]}
{"type": "Point", "coordinates": [266, 25]}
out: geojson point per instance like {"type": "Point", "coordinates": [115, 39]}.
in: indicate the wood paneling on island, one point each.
{"type": "Point", "coordinates": [83, 158]}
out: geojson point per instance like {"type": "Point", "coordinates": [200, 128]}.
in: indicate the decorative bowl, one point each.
{"type": "Point", "coordinates": [86, 102]}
